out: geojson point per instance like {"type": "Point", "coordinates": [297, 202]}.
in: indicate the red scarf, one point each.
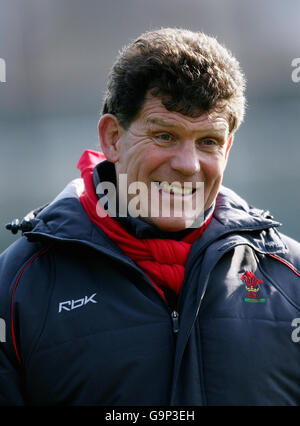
{"type": "Point", "coordinates": [162, 260]}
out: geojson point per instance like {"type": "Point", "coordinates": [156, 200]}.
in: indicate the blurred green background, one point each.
{"type": "Point", "coordinates": [58, 54]}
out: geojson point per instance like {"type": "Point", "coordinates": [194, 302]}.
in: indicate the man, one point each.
{"type": "Point", "coordinates": [109, 300]}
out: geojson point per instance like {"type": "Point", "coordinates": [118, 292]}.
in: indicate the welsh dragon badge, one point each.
{"type": "Point", "coordinates": [252, 287]}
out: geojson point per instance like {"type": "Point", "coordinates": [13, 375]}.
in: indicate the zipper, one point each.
{"type": "Point", "coordinates": [175, 321]}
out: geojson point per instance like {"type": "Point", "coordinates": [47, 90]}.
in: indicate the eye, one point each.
{"type": "Point", "coordinates": [209, 142]}
{"type": "Point", "coordinates": [209, 145]}
{"type": "Point", "coordinates": [164, 137]}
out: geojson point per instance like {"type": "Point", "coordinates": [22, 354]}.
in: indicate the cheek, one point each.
{"type": "Point", "coordinates": [140, 162]}
{"type": "Point", "coordinates": [213, 168]}
{"type": "Point", "coordinates": [151, 159]}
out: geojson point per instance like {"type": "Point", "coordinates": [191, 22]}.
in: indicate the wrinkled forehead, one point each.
{"type": "Point", "coordinates": [154, 113]}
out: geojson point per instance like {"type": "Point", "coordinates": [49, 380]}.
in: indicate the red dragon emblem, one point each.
{"type": "Point", "coordinates": [252, 287]}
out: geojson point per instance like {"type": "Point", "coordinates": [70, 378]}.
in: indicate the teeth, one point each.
{"type": "Point", "coordinates": [164, 186]}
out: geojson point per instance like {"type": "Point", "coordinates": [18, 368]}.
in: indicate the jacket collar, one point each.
{"type": "Point", "coordinates": [235, 213]}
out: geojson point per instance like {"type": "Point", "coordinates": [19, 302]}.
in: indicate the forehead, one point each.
{"type": "Point", "coordinates": [154, 113]}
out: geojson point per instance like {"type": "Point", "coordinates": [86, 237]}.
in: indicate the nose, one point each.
{"type": "Point", "coordinates": [186, 159]}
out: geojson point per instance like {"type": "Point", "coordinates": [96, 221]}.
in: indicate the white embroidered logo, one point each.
{"type": "Point", "coordinates": [69, 305]}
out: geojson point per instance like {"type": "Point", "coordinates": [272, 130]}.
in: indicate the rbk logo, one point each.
{"type": "Point", "coordinates": [69, 305]}
{"type": "Point", "coordinates": [252, 287]}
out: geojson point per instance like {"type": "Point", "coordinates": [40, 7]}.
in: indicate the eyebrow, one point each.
{"type": "Point", "coordinates": [160, 122]}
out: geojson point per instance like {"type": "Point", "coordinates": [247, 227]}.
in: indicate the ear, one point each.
{"type": "Point", "coordinates": [110, 132]}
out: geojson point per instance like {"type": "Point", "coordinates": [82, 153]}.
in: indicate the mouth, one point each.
{"type": "Point", "coordinates": [175, 188]}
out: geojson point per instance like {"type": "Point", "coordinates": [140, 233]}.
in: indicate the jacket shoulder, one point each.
{"type": "Point", "coordinates": [283, 270]}
{"type": "Point", "coordinates": [15, 257]}
{"type": "Point", "coordinates": [292, 255]}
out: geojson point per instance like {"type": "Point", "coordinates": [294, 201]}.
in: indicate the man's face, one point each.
{"type": "Point", "coordinates": [166, 146]}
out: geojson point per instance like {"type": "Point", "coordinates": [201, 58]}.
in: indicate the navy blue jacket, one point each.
{"type": "Point", "coordinates": [85, 326]}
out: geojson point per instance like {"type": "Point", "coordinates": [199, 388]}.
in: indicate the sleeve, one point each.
{"type": "Point", "coordinates": [13, 262]}
{"type": "Point", "coordinates": [10, 372]}
{"type": "Point", "coordinates": [10, 380]}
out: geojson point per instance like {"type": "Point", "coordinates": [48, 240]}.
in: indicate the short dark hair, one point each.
{"type": "Point", "coordinates": [191, 72]}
